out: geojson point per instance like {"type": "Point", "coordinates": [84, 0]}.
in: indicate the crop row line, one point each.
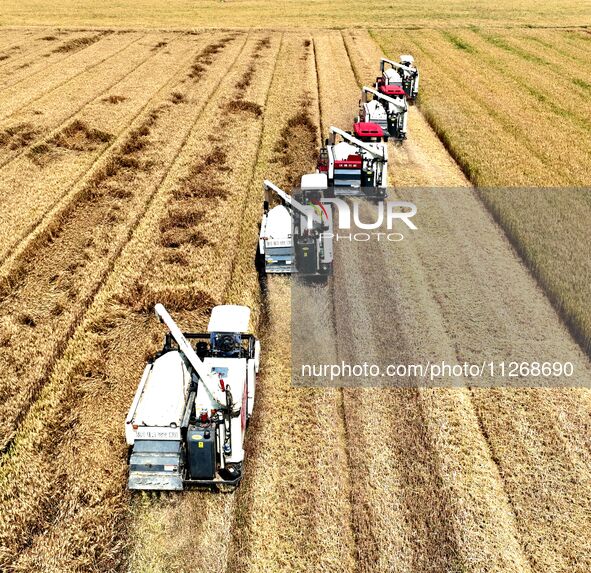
{"type": "Point", "coordinates": [90, 193]}
{"type": "Point", "coordinates": [46, 137]}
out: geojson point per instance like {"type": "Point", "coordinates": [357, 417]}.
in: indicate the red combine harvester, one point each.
{"type": "Point", "coordinates": [388, 112]}
{"type": "Point", "coordinates": [356, 166]}
{"type": "Point", "coordinates": [403, 75]}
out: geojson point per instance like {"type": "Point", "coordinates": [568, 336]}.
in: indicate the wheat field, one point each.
{"type": "Point", "coordinates": [132, 163]}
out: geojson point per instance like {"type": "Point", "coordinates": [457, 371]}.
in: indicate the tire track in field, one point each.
{"type": "Point", "coordinates": [49, 213]}
{"type": "Point", "coordinates": [64, 274]}
{"type": "Point", "coordinates": [439, 535]}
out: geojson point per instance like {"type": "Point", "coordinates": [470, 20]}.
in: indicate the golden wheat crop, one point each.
{"type": "Point", "coordinates": [495, 106]}
{"type": "Point", "coordinates": [295, 14]}
{"type": "Point", "coordinates": [147, 188]}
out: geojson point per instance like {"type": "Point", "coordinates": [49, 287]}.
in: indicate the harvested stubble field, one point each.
{"type": "Point", "coordinates": [132, 167]}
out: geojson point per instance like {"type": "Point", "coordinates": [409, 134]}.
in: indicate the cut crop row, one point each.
{"type": "Point", "coordinates": [85, 402]}
{"type": "Point", "coordinates": [58, 278]}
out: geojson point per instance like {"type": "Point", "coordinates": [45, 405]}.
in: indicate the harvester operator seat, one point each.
{"type": "Point", "coordinates": [226, 344]}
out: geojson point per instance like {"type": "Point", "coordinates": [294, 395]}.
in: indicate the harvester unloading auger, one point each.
{"type": "Point", "coordinates": [389, 112]}
{"type": "Point", "coordinates": [296, 235]}
{"type": "Point", "coordinates": [396, 75]}
{"type": "Point", "coordinates": [356, 166]}
{"type": "Point", "coordinates": [187, 421]}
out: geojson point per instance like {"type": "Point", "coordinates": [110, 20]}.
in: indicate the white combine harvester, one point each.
{"type": "Point", "coordinates": [399, 75]}
{"type": "Point", "coordinates": [390, 113]}
{"type": "Point", "coordinates": [355, 167]}
{"type": "Point", "coordinates": [188, 418]}
{"type": "Point", "coordinates": [296, 235]}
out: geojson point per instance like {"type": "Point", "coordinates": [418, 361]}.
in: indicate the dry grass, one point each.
{"type": "Point", "coordinates": [79, 137]}
{"type": "Point", "coordinates": [178, 97]}
{"type": "Point", "coordinates": [114, 99]}
{"type": "Point", "coordinates": [77, 75]}
{"type": "Point", "coordinates": [18, 136]}
{"type": "Point", "coordinates": [205, 57]}
{"type": "Point", "coordinates": [297, 145]}
{"type": "Point", "coordinates": [159, 45]}
{"type": "Point", "coordinates": [247, 106]}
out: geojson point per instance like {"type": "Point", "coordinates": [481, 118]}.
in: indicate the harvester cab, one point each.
{"type": "Point", "coordinates": [403, 74]}
{"type": "Point", "coordinates": [389, 112]}
{"type": "Point", "coordinates": [355, 168]}
{"type": "Point", "coordinates": [187, 422]}
{"type": "Point", "coordinates": [296, 235]}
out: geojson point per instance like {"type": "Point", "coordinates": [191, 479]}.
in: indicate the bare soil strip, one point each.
{"type": "Point", "coordinates": [43, 309]}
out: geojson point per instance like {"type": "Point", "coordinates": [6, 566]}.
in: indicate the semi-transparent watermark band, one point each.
{"type": "Point", "coordinates": [440, 287]}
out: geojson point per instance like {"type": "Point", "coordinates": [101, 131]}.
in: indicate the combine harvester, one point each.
{"type": "Point", "coordinates": [399, 75]}
{"type": "Point", "coordinates": [390, 113]}
{"type": "Point", "coordinates": [296, 235]}
{"type": "Point", "coordinates": [356, 166]}
{"type": "Point", "coordinates": [187, 421]}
